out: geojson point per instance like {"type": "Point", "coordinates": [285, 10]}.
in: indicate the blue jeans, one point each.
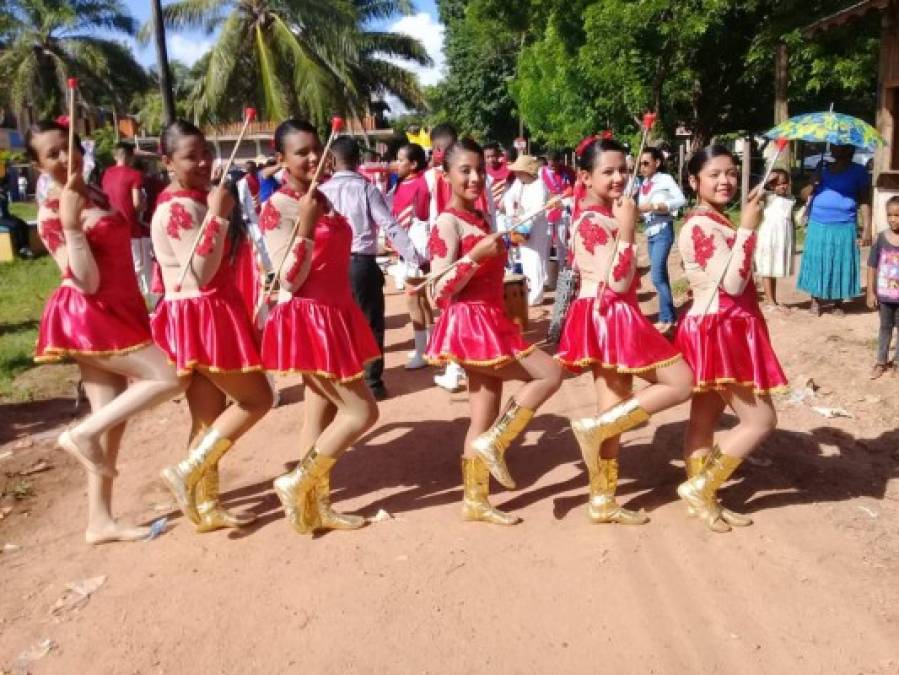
{"type": "Point", "coordinates": [659, 247]}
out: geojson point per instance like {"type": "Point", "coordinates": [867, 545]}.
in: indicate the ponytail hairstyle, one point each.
{"type": "Point", "coordinates": [656, 154]}
{"type": "Point", "coordinates": [462, 145]}
{"type": "Point", "coordinates": [173, 133]}
{"type": "Point", "coordinates": [702, 157]}
{"type": "Point", "coordinates": [288, 127]}
{"type": "Point", "coordinates": [43, 127]}
{"type": "Point", "coordinates": [416, 154]}
{"type": "Point", "coordinates": [590, 153]}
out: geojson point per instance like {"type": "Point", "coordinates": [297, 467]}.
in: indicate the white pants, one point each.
{"type": "Point", "coordinates": [142, 254]}
{"type": "Point", "coordinates": [534, 254]}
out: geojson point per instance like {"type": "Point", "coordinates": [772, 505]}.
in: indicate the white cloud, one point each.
{"type": "Point", "coordinates": [430, 32]}
{"type": "Point", "coordinates": [188, 50]}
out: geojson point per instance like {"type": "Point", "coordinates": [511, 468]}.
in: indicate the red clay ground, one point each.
{"type": "Point", "coordinates": [812, 587]}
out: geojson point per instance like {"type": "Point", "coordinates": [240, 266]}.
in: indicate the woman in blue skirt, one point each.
{"type": "Point", "coordinates": [830, 269]}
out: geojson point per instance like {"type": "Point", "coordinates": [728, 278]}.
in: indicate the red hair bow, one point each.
{"type": "Point", "coordinates": [584, 144]}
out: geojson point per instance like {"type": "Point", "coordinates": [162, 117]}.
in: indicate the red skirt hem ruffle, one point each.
{"type": "Point", "coordinates": [730, 347]}
{"type": "Point", "coordinates": [476, 334]}
{"type": "Point", "coordinates": [618, 337]}
{"type": "Point", "coordinates": [307, 337]}
{"type": "Point", "coordinates": [97, 325]}
{"type": "Point", "coordinates": [209, 332]}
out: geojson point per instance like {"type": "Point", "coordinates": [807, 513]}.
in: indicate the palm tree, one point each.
{"type": "Point", "coordinates": [162, 64]}
{"type": "Point", "coordinates": [298, 57]}
{"type": "Point", "coordinates": [51, 40]}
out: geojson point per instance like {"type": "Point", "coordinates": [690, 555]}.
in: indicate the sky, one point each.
{"type": "Point", "coordinates": [188, 47]}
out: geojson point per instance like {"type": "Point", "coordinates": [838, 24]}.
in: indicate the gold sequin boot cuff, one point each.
{"type": "Point", "coordinates": [182, 478]}
{"type": "Point", "coordinates": [212, 515]}
{"type": "Point", "coordinates": [329, 518]}
{"type": "Point", "coordinates": [700, 491]}
{"type": "Point", "coordinates": [590, 432]}
{"type": "Point", "coordinates": [475, 506]}
{"type": "Point", "coordinates": [602, 507]}
{"type": "Point", "coordinates": [492, 444]}
{"type": "Point", "coordinates": [296, 491]}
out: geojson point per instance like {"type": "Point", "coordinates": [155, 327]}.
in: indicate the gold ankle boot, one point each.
{"type": "Point", "coordinates": [475, 506]}
{"type": "Point", "coordinates": [602, 507]}
{"type": "Point", "coordinates": [212, 515]}
{"type": "Point", "coordinates": [696, 463]}
{"type": "Point", "coordinates": [296, 491]}
{"type": "Point", "coordinates": [492, 444]}
{"type": "Point", "coordinates": [328, 517]}
{"type": "Point", "coordinates": [590, 432]}
{"type": "Point", "coordinates": [700, 491]}
{"type": "Point", "coordinates": [182, 478]}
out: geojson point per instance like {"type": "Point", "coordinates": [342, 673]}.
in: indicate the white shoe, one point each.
{"type": "Point", "coordinates": [450, 383]}
{"type": "Point", "coordinates": [416, 362]}
{"type": "Point", "coordinates": [416, 356]}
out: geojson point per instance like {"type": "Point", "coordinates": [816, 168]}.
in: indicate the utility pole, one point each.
{"type": "Point", "coordinates": [162, 64]}
{"type": "Point", "coordinates": [781, 84]}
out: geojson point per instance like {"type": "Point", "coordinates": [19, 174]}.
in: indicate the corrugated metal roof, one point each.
{"type": "Point", "coordinates": [844, 15]}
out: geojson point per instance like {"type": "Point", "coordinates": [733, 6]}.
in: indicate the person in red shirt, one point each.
{"type": "Point", "coordinates": [123, 186]}
{"type": "Point", "coordinates": [410, 204]}
{"type": "Point", "coordinates": [498, 170]}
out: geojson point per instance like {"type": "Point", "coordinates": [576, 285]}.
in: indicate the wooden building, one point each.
{"type": "Point", "coordinates": [886, 160]}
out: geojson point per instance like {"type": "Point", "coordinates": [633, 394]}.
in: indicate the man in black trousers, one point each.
{"type": "Point", "coordinates": [363, 205]}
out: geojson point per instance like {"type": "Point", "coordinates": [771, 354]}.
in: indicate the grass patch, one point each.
{"type": "Point", "coordinates": [24, 287]}
{"type": "Point", "coordinates": [27, 211]}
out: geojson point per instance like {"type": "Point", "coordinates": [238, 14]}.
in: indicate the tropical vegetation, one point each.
{"type": "Point", "coordinates": [297, 57]}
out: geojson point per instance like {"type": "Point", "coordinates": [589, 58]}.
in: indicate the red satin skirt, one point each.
{"type": "Point", "coordinates": [99, 325]}
{"type": "Point", "coordinates": [613, 333]}
{"type": "Point", "coordinates": [730, 347]}
{"type": "Point", "coordinates": [307, 336]}
{"type": "Point", "coordinates": [210, 332]}
{"type": "Point", "coordinates": [476, 334]}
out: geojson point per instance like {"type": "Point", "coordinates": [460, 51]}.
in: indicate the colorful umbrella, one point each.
{"type": "Point", "coordinates": [828, 127]}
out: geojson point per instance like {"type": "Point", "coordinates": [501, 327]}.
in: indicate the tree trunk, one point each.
{"type": "Point", "coordinates": [162, 64]}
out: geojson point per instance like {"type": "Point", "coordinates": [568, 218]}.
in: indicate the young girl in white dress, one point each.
{"type": "Point", "coordinates": [774, 251]}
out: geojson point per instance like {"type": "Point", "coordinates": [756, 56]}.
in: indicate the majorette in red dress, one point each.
{"type": "Point", "coordinates": [410, 204]}
{"type": "Point", "coordinates": [473, 328]}
{"type": "Point", "coordinates": [113, 320]}
{"type": "Point", "coordinates": [205, 327]}
{"type": "Point", "coordinates": [724, 337]}
{"type": "Point", "coordinates": [316, 326]}
{"type": "Point", "coordinates": [604, 324]}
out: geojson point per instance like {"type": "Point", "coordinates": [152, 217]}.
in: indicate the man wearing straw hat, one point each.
{"type": "Point", "coordinates": [528, 194]}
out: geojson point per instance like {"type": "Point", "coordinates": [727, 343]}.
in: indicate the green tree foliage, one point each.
{"type": "Point", "coordinates": [481, 49]}
{"type": "Point", "coordinates": [43, 42]}
{"type": "Point", "coordinates": [705, 64]}
{"type": "Point", "coordinates": [297, 57]}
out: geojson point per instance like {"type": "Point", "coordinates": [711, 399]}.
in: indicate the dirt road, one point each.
{"type": "Point", "coordinates": [812, 587]}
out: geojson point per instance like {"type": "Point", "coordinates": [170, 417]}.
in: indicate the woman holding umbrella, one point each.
{"type": "Point", "coordinates": [830, 267]}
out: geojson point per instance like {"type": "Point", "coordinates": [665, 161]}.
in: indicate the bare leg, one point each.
{"type": "Point", "coordinates": [205, 401]}
{"type": "Point", "coordinates": [705, 410]}
{"type": "Point", "coordinates": [356, 413]}
{"type": "Point", "coordinates": [252, 399]}
{"type": "Point", "coordinates": [770, 285]}
{"type": "Point", "coordinates": [541, 373]}
{"type": "Point", "coordinates": [757, 420]}
{"type": "Point", "coordinates": [413, 304]}
{"type": "Point", "coordinates": [153, 380]}
{"type": "Point", "coordinates": [318, 414]}
{"type": "Point", "coordinates": [100, 388]}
